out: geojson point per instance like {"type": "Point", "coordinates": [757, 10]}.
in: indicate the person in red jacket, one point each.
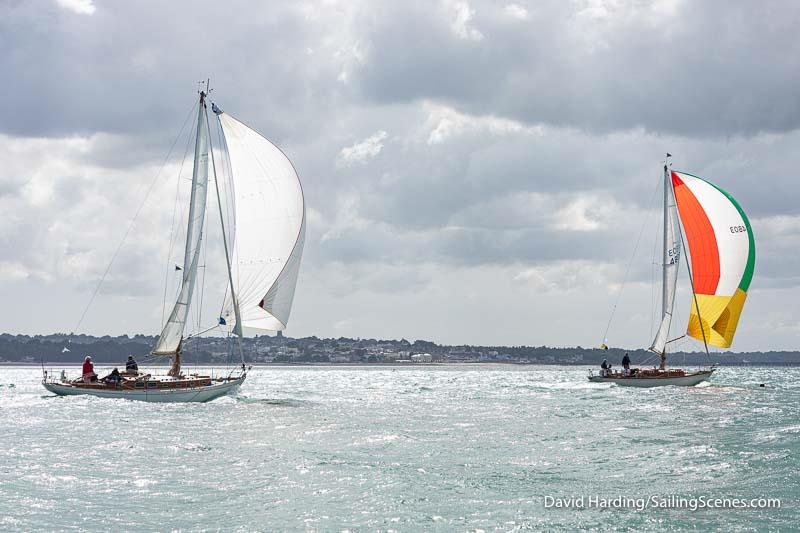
{"type": "Point", "coordinates": [88, 370]}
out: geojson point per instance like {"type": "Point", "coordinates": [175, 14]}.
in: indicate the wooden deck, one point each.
{"type": "Point", "coordinates": [148, 382]}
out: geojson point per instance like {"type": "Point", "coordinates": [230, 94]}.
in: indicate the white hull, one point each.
{"type": "Point", "coordinates": [689, 380]}
{"type": "Point", "coordinates": [194, 394]}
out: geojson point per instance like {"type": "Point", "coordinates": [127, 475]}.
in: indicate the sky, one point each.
{"type": "Point", "coordinates": [475, 172]}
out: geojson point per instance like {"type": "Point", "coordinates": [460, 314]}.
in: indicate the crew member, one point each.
{"type": "Point", "coordinates": [604, 368]}
{"type": "Point", "coordinates": [626, 364]}
{"type": "Point", "coordinates": [114, 378]}
{"type": "Point", "coordinates": [131, 366]}
{"type": "Point", "coordinates": [88, 370]}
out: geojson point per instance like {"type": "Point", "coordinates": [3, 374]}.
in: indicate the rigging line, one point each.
{"type": "Point", "coordinates": [653, 269]}
{"type": "Point", "coordinates": [133, 221]}
{"type": "Point", "coordinates": [224, 299]}
{"type": "Point", "coordinates": [647, 359]}
{"type": "Point", "coordinates": [242, 285]}
{"type": "Point", "coordinates": [628, 269]}
{"type": "Point", "coordinates": [691, 280]}
{"type": "Point", "coordinates": [225, 165]}
{"type": "Point", "coordinates": [229, 190]}
{"type": "Point", "coordinates": [225, 244]}
{"type": "Point", "coordinates": [228, 197]}
{"type": "Point", "coordinates": [204, 251]}
{"type": "Point", "coordinates": [172, 240]}
{"type": "Point", "coordinates": [205, 265]}
{"type": "Point", "coordinates": [215, 326]}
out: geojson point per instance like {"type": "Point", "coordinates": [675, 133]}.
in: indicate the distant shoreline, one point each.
{"type": "Point", "coordinates": [61, 349]}
{"type": "Point", "coordinates": [63, 364]}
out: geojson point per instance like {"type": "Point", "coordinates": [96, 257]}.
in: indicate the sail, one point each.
{"type": "Point", "coordinates": [170, 338]}
{"type": "Point", "coordinates": [269, 212]}
{"type": "Point", "coordinates": [672, 254]}
{"type": "Point", "coordinates": [722, 250]}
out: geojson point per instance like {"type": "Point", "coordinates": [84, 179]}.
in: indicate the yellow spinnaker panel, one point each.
{"type": "Point", "coordinates": [720, 316]}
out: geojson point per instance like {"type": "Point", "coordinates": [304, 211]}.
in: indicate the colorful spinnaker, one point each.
{"type": "Point", "coordinates": [723, 255]}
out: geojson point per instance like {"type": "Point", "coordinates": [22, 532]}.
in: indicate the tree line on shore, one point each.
{"type": "Point", "coordinates": [69, 349]}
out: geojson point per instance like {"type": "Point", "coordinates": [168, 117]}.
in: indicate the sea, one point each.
{"type": "Point", "coordinates": [408, 448]}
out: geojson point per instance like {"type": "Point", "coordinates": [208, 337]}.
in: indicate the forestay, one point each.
{"type": "Point", "coordinates": [269, 214]}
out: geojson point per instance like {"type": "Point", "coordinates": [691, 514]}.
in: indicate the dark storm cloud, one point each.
{"type": "Point", "coordinates": [132, 66]}
{"type": "Point", "coordinates": [695, 69]}
{"type": "Point", "coordinates": [698, 69]}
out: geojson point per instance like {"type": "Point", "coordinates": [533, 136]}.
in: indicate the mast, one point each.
{"type": "Point", "coordinates": [237, 329]}
{"type": "Point", "coordinates": [665, 258]}
{"type": "Point", "coordinates": [171, 338]}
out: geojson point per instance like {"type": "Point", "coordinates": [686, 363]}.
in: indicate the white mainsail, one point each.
{"type": "Point", "coordinates": [170, 338]}
{"type": "Point", "coordinates": [269, 213]}
{"type": "Point", "coordinates": [671, 257]}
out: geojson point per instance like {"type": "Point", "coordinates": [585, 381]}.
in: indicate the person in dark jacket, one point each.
{"type": "Point", "coordinates": [113, 378]}
{"type": "Point", "coordinates": [604, 367]}
{"type": "Point", "coordinates": [131, 366]}
{"type": "Point", "coordinates": [626, 364]}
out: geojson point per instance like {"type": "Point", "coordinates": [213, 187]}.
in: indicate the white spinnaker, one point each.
{"type": "Point", "coordinates": [731, 246]}
{"type": "Point", "coordinates": [170, 338]}
{"type": "Point", "coordinates": [269, 212]}
{"type": "Point", "coordinates": [671, 266]}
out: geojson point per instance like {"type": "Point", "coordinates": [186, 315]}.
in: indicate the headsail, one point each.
{"type": "Point", "coordinates": [170, 338]}
{"type": "Point", "coordinates": [269, 212]}
{"type": "Point", "coordinates": [722, 250]}
{"type": "Point", "coordinates": [671, 258]}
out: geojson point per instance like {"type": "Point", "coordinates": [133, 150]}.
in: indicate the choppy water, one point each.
{"type": "Point", "coordinates": [435, 448]}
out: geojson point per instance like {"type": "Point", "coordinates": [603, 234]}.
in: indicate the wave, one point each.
{"type": "Point", "coordinates": [287, 402]}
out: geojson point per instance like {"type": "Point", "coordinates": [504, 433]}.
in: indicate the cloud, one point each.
{"type": "Point", "coordinates": [777, 241]}
{"type": "Point", "coordinates": [473, 171]}
{"type": "Point", "coordinates": [81, 7]}
{"type": "Point", "coordinates": [567, 276]}
{"type": "Point", "coordinates": [347, 217]}
{"type": "Point", "coordinates": [343, 325]}
{"type": "Point", "coordinates": [599, 66]}
{"type": "Point", "coordinates": [516, 11]}
{"type": "Point", "coordinates": [363, 151]}
{"type": "Point", "coordinates": [11, 271]}
{"type": "Point", "coordinates": [579, 215]}
{"type": "Point", "coordinates": [462, 15]}
{"type": "Point", "coordinates": [445, 123]}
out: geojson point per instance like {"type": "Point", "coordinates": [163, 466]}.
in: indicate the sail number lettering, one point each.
{"type": "Point", "coordinates": [673, 254]}
{"type": "Point", "coordinates": [738, 229]}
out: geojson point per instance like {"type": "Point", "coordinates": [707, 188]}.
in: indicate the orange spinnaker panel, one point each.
{"type": "Point", "coordinates": [702, 240]}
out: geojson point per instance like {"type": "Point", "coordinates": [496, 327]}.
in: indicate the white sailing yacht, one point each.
{"type": "Point", "coordinates": [722, 250]}
{"type": "Point", "coordinates": [262, 258]}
